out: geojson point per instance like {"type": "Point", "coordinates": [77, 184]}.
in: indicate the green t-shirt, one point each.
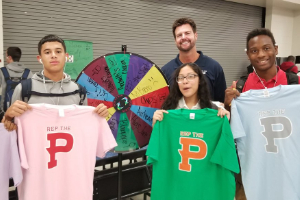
{"type": "Point", "coordinates": [193, 156]}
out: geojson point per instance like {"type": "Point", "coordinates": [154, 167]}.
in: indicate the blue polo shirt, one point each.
{"type": "Point", "coordinates": [212, 70]}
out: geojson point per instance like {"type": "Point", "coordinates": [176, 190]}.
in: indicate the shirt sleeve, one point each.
{"type": "Point", "coordinates": [15, 167]}
{"type": "Point", "coordinates": [216, 105]}
{"type": "Point", "coordinates": [22, 152]}
{"type": "Point", "coordinates": [225, 151]}
{"type": "Point", "coordinates": [1, 75]}
{"type": "Point", "coordinates": [153, 147]}
{"type": "Point", "coordinates": [30, 74]}
{"type": "Point", "coordinates": [106, 140]}
{"type": "Point", "coordinates": [235, 122]}
{"type": "Point", "coordinates": [220, 85]}
{"type": "Point", "coordinates": [167, 72]}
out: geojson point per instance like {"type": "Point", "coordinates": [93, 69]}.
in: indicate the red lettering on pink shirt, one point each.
{"type": "Point", "coordinates": [53, 149]}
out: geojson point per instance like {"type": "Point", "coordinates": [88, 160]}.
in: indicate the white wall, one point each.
{"type": "Point", "coordinates": [296, 34]}
{"type": "Point", "coordinates": [268, 19]}
{"type": "Point", "coordinates": [293, 1]}
{"type": "Point", "coordinates": [283, 19]}
{"type": "Point", "coordinates": [281, 25]}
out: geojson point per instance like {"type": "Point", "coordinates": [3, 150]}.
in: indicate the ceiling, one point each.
{"type": "Point", "coordinates": [289, 4]}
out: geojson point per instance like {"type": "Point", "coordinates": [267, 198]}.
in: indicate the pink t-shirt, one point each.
{"type": "Point", "coordinates": [9, 161]}
{"type": "Point", "coordinates": [58, 146]}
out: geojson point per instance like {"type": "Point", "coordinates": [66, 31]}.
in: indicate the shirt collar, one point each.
{"type": "Point", "coordinates": [182, 104]}
{"type": "Point", "coordinates": [199, 61]}
{"type": "Point", "coordinates": [279, 74]}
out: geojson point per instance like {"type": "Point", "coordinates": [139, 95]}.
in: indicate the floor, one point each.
{"type": "Point", "coordinates": [138, 197]}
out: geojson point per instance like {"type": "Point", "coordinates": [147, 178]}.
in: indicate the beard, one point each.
{"type": "Point", "coordinates": [187, 49]}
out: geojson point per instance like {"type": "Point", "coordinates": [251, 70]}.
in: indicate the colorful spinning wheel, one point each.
{"type": "Point", "coordinates": [132, 87]}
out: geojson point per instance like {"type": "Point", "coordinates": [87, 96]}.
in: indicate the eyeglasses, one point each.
{"type": "Point", "coordinates": [189, 77]}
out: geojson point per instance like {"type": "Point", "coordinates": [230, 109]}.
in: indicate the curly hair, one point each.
{"type": "Point", "coordinates": [260, 31]}
{"type": "Point", "coordinates": [174, 96]}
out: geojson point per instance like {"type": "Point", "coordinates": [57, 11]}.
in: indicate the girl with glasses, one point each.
{"type": "Point", "coordinates": [189, 91]}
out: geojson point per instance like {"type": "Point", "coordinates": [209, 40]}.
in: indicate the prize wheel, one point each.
{"type": "Point", "coordinates": [132, 87]}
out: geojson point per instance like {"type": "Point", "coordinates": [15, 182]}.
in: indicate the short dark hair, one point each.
{"type": "Point", "coordinates": [50, 38]}
{"type": "Point", "coordinates": [182, 21]}
{"type": "Point", "coordinates": [260, 31]}
{"type": "Point", "coordinates": [291, 58]}
{"type": "Point", "coordinates": [15, 53]}
{"type": "Point", "coordinates": [175, 94]}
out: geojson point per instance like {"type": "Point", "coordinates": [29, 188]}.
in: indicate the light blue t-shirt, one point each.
{"type": "Point", "coordinates": [266, 126]}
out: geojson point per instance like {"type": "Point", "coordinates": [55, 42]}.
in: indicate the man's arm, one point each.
{"type": "Point", "coordinates": [168, 70]}
{"type": "Point", "coordinates": [220, 85]}
{"type": "Point", "coordinates": [230, 93]}
{"type": "Point", "coordinates": [167, 75]}
{"type": "Point", "coordinates": [16, 109]}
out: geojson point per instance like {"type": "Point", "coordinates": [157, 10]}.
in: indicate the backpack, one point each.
{"type": "Point", "coordinates": [27, 92]}
{"type": "Point", "coordinates": [289, 70]}
{"type": "Point", "coordinates": [292, 79]}
{"type": "Point", "coordinates": [11, 83]}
